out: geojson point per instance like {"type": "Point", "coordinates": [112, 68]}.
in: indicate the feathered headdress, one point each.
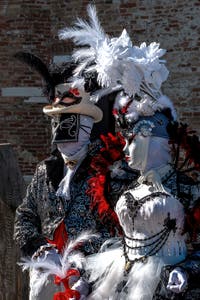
{"type": "Point", "coordinates": [60, 76]}
{"type": "Point", "coordinates": [118, 63]}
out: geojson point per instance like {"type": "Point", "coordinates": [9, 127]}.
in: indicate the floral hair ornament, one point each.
{"type": "Point", "coordinates": [116, 60]}
{"type": "Point", "coordinates": [156, 125]}
{"type": "Point", "coordinates": [143, 128]}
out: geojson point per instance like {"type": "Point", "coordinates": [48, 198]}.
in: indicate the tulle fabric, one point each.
{"type": "Point", "coordinates": [111, 281]}
{"type": "Point", "coordinates": [42, 287]}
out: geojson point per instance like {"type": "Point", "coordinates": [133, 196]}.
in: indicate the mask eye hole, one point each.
{"type": "Point", "coordinates": [64, 95]}
{"type": "Point", "coordinates": [68, 100]}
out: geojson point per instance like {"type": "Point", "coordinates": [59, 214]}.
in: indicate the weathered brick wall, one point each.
{"type": "Point", "coordinates": [33, 24]}
{"type": "Point", "coordinates": [25, 25]}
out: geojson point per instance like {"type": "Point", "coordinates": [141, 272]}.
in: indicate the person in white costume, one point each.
{"type": "Point", "coordinates": [151, 217]}
{"type": "Point", "coordinates": [151, 212]}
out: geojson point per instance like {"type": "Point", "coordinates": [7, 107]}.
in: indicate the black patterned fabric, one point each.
{"type": "Point", "coordinates": [42, 211]}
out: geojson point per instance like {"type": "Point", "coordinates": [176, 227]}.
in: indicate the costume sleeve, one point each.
{"type": "Point", "coordinates": [192, 266]}
{"type": "Point", "coordinates": [27, 229]}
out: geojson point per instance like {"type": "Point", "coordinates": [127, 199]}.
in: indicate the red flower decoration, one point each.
{"type": "Point", "coordinates": [115, 112]}
{"type": "Point", "coordinates": [68, 293]}
{"type": "Point", "coordinates": [75, 92]}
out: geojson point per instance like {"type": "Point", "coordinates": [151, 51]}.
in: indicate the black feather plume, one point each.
{"type": "Point", "coordinates": [39, 66]}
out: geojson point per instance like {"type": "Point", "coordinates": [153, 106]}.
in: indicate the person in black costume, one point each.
{"type": "Point", "coordinates": [57, 202]}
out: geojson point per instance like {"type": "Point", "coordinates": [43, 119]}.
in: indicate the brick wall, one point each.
{"type": "Point", "coordinates": [33, 25]}
{"type": "Point", "coordinates": [25, 25]}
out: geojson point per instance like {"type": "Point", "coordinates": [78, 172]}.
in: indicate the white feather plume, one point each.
{"type": "Point", "coordinates": [119, 63]}
{"type": "Point", "coordinates": [70, 257]}
{"type": "Point", "coordinates": [37, 281]}
{"type": "Point", "coordinates": [116, 60]}
{"type": "Point", "coordinates": [167, 103]}
{"type": "Point", "coordinates": [103, 92]}
{"type": "Point", "coordinates": [92, 13]}
{"type": "Point", "coordinates": [82, 238]}
{"type": "Point", "coordinates": [48, 266]}
{"type": "Point", "coordinates": [85, 33]}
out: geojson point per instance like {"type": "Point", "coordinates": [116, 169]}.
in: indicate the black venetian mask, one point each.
{"type": "Point", "coordinates": [65, 128]}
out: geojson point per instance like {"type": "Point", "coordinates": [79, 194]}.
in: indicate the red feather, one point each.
{"type": "Point", "coordinates": [60, 237]}
{"type": "Point", "coordinates": [111, 152]}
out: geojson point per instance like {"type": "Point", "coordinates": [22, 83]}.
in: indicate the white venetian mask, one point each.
{"type": "Point", "coordinates": [147, 152]}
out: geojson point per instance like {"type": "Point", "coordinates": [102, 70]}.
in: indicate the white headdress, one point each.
{"type": "Point", "coordinates": [119, 64]}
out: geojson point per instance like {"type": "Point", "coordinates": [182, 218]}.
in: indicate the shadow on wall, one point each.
{"type": "Point", "coordinates": [13, 283]}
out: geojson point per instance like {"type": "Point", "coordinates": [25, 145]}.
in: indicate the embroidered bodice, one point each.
{"type": "Point", "coordinates": [152, 223]}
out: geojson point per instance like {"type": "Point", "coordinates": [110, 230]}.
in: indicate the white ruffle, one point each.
{"type": "Point", "coordinates": [108, 272]}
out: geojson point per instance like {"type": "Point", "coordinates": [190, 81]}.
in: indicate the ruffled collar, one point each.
{"type": "Point", "coordinates": [155, 177]}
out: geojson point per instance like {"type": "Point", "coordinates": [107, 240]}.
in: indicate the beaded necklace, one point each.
{"type": "Point", "coordinates": [157, 240]}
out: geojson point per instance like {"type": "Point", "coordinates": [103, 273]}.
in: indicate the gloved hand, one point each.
{"type": "Point", "coordinates": [47, 253]}
{"type": "Point", "coordinates": [178, 280]}
{"type": "Point", "coordinates": [81, 286]}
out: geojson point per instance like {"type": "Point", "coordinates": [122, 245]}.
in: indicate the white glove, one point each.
{"type": "Point", "coordinates": [177, 280]}
{"type": "Point", "coordinates": [47, 253]}
{"type": "Point", "coordinates": [42, 261]}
